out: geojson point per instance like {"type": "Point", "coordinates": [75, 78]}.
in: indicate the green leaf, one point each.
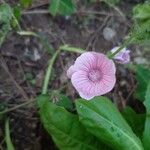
{"type": "Point", "coordinates": [103, 120]}
{"type": "Point", "coordinates": [5, 21]}
{"type": "Point", "coordinates": [25, 3]}
{"type": "Point", "coordinates": [141, 30]}
{"type": "Point", "coordinates": [141, 33]}
{"type": "Point", "coordinates": [62, 7]}
{"type": "Point", "coordinates": [8, 139]}
{"type": "Point", "coordinates": [5, 12]}
{"type": "Point", "coordinates": [146, 133]}
{"type": "Point", "coordinates": [141, 11]}
{"type": "Point", "coordinates": [142, 76]}
{"type": "Point", "coordinates": [65, 128]}
{"type": "Point", "coordinates": [136, 121]}
{"type": "Point", "coordinates": [17, 12]}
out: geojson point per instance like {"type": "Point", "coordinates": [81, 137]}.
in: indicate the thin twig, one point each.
{"type": "Point", "coordinates": [96, 32]}
{"type": "Point", "coordinates": [18, 106]}
{"type": "Point", "coordinates": [38, 11]}
{"type": "Point", "coordinates": [40, 4]}
{"type": "Point", "coordinates": [84, 12]}
{"type": "Point", "coordinates": [98, 13]}
{"type": "Point", "coordinates": [130, 93]}
{"type": "Point", "coordinates": [5, 67]}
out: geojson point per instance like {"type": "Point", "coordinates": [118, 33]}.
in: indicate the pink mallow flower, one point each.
{"type": "Point", "coordinates": [123, 57]}
{"type": "Point", "coordinates": [92, 74]}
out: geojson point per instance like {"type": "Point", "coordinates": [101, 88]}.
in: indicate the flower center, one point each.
{"type": "Point", "coordinates": [94, 75]}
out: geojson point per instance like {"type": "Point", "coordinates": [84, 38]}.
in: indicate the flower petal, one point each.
{"type": "Point", "coordinates": [85, 61]}
{"type": "Point", "coordinates": [105, 64]}
{"type": "Point", "coordinates": [86, 96]}
{"type": "Point", "coordinates": [70, 71]}
{"type": "Point", "coordinates": [81, 82]}
{"type": "Point", "coordinates": [109, 68]}
{"type": "Point", "coordinates": [108, 83]}
{"type": "Point", "coordinates": [104, 86]}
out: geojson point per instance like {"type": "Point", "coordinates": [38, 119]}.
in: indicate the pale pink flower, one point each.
{"type": "Point", "coordinates": [92, 74]}
{"type": "Point", "coordinates": [123, 57]}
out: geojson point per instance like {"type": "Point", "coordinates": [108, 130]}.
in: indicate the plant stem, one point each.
{"type": "Point", "coordinates": [72, 49]}
{"type": "Point", "coordinates": [9, 143]}
{"type": "Point", "coordinates": [16, 21]}
{"type": "Point", "coordinates": [51, 62]}
{"type": "Point", "coordinates": [28, 33]}
{"type": "Point", "coordinates": [48, 72]}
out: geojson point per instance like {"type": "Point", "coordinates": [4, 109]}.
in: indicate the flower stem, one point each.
{"type": "Point", "coordinates": [71, 49]}
{"type": "Point", "coordinates": [8, 140]}
{"type": "Point", "coordinates": [48, 72]}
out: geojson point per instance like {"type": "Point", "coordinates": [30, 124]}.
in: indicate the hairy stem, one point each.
{"type": "Point", "coordinates": [126, 43]}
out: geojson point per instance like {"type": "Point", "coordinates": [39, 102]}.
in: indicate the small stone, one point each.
{"type": "Point", "coordinates": [37, 55]}
{"type": "Point", "coordinates": [140, 60]}
{"type": "Point", "coordinates": [34, 54]}
{"type": "Point", "coordinates": [109, 33]}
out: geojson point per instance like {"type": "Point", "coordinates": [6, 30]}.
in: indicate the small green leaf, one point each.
{"type": "Point", "coordinates": [141, 28]}
{"type": "Point", "coordinates": [62, 7]}
{"type": "Point", "coordinates": [103, 120]}
{"type": "Point", "coordinates": [25, 3]}
{"type": "Point", "coordinates": [8, 139]}
{"type": "Point", "coordinates": [136, 121]}
{"type": "Point", "coordinates": [17, 12]}
{"type": "Point", "coordinates": [5, 12]}
{"type": "Point", "coordinates": [141, 32]}
{"type": "Point", "coordinates": [141, 11]}
{"type": "Point", "coordinates": [146, 133]}
{"type": "Point", "coordinates": [65, 128]}
{"type": "Point", "coordinates": [142, 76]}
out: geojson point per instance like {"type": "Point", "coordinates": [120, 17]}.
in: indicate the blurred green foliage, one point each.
{"type": "Point", "coordinates": [62, 7]}
{"type": "Point", "coordinates": [136, 121]}
{"type": "Point", "coordinates": [141, 28]}
{"type": "Point", "coordinates": [142, 76]}
{"type": "Point", "coordinates": [5, 21]}
{"type": "Point", "coordinates": [146, 133]}
{"type": "Point", "coordinates": [25, 3]}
